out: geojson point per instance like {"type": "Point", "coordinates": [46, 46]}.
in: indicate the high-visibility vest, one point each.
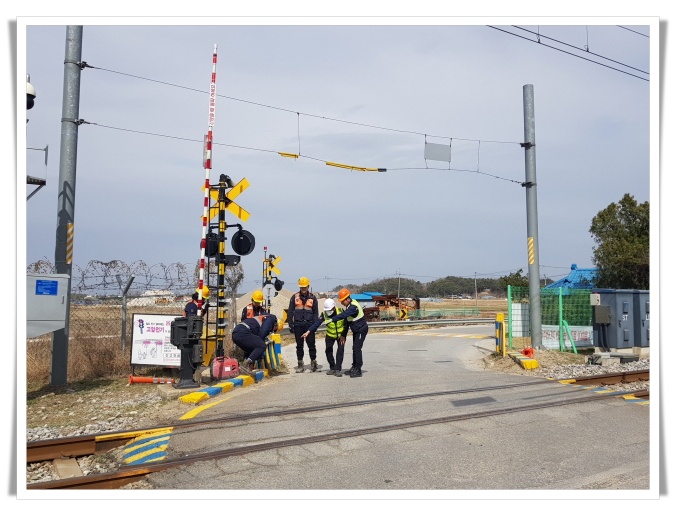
{"type": "Point", "coordinates": [334, 329]}
{"type": "Point", "coordinates": [361, 311]}
{"type": "Point", "coordinates": [299, 303]}
{"type": "Point", "coordinates": [251, 310]}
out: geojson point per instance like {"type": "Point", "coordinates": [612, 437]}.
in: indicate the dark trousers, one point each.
{"type": "Point", "coordinates": [253, 346]}
{"type": "Point", "coordinates": [336, 364]}
{"type": "Point", "coordinates": [310, 340]}
{"type": "Point", "coordinates": [358, 343]}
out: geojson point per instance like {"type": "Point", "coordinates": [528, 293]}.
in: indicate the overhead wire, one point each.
{"type": "Point", "coordinates": [569, 53]}
{"type": "Point", "coordinates": [298, 114]}
{"type": "Point", "coordinates": [586, 49]}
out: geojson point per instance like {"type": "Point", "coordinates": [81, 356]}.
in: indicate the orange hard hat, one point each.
{"type": "Point", "coordinates": [257, 296]}
{"type": "Point", "coordinates": [343, 294]}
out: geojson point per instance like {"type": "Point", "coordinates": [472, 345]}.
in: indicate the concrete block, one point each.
{"type": "Point", "coordinates": [169, 392]}
{"type": "Point", "coordinates": [67, 468]}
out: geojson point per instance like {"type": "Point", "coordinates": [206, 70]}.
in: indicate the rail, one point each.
{"type": "Point", "coordinates": [415, 322]}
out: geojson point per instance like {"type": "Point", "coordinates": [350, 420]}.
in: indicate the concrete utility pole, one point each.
{"type": "Point", "coordinates": [63, 255]}
{"type": "Point", "coordinates": [532, 217]}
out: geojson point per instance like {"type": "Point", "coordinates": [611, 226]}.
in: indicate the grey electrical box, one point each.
{"type": "Point", "coordinates": [642, 318]}
{"type": "Point", "coordinates": [628, 325]}
{"type": "Point", "coordinates": [46, 296]}
{"type": "Point", "coordinates": [602, 314]}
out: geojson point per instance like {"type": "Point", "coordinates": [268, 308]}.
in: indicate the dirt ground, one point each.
{"type": "Point", "coordinates": [546, 359]}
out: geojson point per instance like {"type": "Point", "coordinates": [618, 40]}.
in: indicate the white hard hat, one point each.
{"type": "Point", "coordinates": [329, 305]}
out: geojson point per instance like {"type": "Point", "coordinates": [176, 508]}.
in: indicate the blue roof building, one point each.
{"type": "Point", "coordinates": [576, 279]}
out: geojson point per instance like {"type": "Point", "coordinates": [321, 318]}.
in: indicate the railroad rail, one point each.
{"type": "Point", "coordinates": [90, 444]}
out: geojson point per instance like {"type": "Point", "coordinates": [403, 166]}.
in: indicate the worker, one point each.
{"type": "Point", "coordinates": [302, 313]}
{"type": "Point", "coordinates": [255, 307]}
{"type": "Point", "coordinates": [250, 335]}
{"type": "Point", "coordinates": [354, 315]}
{"type": "Point", "coordinates": [335, 332]}
{"type": "Point", "coordinates": [191, 308]}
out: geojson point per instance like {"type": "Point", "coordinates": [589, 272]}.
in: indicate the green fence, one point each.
{"type": "Point", "coordinates": [560, 307]}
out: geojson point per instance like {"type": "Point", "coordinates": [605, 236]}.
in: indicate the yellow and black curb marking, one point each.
{"type": "Point", "coordinates": [604, 390]}
{"type": "Point", "coordinates": [523, 360]}
{"type": "Point", "coordinates": [152, 446]}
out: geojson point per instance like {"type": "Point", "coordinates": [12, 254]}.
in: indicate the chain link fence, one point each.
{"type": "Point", "coordinates": [566, 318]}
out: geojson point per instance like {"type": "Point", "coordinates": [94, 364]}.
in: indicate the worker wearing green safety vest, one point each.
{"type": "Point", "coordinates": [335, 331]}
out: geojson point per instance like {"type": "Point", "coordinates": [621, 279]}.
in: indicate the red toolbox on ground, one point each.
{"type": "Point", "coordinates": [224, 367]}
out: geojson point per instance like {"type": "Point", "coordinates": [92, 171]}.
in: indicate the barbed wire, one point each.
{"type": "Point", "coordinates": [99, 277]}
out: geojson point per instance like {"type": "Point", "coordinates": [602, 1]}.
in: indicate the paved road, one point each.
{"type": "Point", "coordinates": [601, 446]}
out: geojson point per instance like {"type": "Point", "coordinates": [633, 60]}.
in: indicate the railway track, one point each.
{"type": "Point", "coordinates": [52, 449]}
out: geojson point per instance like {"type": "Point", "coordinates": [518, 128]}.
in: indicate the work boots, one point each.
{"type": "Point", "coordinates": [301, 367]}
{"type": "Point", "coordinates": [313, 366]}
{"type": "Point", "coordinates": [246, 366]}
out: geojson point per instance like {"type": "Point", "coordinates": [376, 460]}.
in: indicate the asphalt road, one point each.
{"type": "Point", "coordinates": [583, 449]}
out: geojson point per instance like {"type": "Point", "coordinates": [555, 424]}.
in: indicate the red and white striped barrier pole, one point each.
{"type": "Point", "coordinates": [148, 379]}
{"type": "Point", "coordinates": [207, 169]}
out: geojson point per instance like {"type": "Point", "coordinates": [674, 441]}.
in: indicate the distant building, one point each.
{"type": "Point", "coordinates": [576, 279]}
{"type": "Point", "coordinates": [365, 299]}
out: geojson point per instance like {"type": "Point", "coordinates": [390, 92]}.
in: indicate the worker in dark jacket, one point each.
{"type": "Point", "coordinates": [302, 313]}
{"type": "Point", "coordinates": [335, 332]}
{"type": "Point", "coordinates": [354, 315]}
{"type": "Point", "coordinates": [255, 307]}
{"type": "Point", "coordinates": [250, 335]}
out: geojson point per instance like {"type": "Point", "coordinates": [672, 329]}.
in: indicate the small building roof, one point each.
{"type": "Point", "coordinates": [577, 278]}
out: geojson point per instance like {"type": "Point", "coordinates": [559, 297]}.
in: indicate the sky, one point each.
{"type": "Point", "coordinates": [370, 93]}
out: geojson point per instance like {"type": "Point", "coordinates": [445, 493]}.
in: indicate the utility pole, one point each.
{"type": "Point", "coordinates": [476, 296]}
{"type": "Point", "coordinates": [532, 217]}
{"type": "Point", "coordinates": [63, 255]}
{"type": "Point", "coordinates": [399, 287]}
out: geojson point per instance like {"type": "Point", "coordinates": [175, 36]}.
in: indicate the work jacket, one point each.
{"type": "Point", "coordinates": [251, 310]}
{"type": "Point", "coordinates": [354, 314]}
{"type": "Point", "coordinates": [261, 325]}
{"type": "Point", "coordinates": [333, 329]}
{"type": "Point", "coordinates": [303, 310]}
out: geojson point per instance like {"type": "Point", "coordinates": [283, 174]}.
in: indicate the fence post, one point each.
{"type": "Point", "coordinates": [562, 345]}
{"type": "Point", "coordinates": [509, 313]}
{"type": "Point", "coordinates": [500, 334]}
{"type": "Point", "coordinates": [123, 337]}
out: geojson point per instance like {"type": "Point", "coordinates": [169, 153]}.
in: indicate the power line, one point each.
{"type": "Point", "coordinates": [296, 112]}
{"type": "Point", "coordinates": [634, 31]}
{"type": "Point", "coordinates": [582, 49]}
{"type": "Point", "coordinates": [569, 53]}
{"type": "Point", "coordinates": [148, 133]}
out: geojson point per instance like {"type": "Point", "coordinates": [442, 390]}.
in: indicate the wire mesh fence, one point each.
{"type": "Point", "coordinates": [566, 318]}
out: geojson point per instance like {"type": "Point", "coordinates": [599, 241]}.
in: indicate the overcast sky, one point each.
{"type": "Point", "coordinates": [368, 94]}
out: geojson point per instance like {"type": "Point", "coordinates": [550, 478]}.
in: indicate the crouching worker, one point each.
{"type": "Point", "coordinates": [249, 335]}
{"type": "Point", "coordinates": [335, 333]}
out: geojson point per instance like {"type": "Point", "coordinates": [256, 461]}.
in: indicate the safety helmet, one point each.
{"type": "Point", "coordinates": [303, 282]}
{"type": "Point", "coordinates": [205, 291]}
{"type": "Point", "coordinates": [257, 296]}
{"type": "Point", "coordinates": [343, 294]}
{"type": "Point", "coordinates": [329, 305]}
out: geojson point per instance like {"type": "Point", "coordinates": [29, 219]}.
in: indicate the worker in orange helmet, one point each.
{"type": "Point", "coordinates": [302, 313]}
{"type": "Point", "coordinates": [356, 320]}
{"type": "Point", "coordinates": [254, 308]}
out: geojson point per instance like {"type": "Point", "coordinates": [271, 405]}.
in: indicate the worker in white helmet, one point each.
{"type": "Point", "coordinates": [335, 332]}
